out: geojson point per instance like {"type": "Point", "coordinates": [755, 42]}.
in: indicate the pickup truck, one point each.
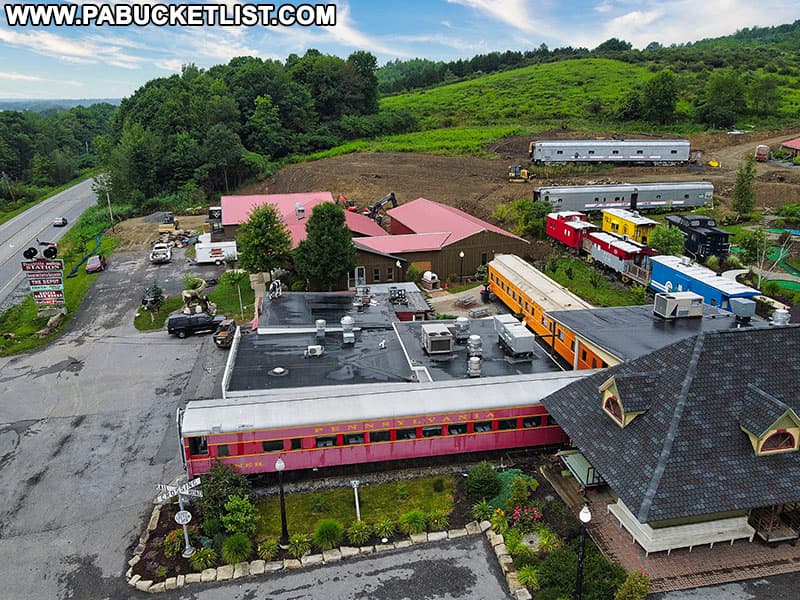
{"type": "Point", "coordinates": [161, 253]}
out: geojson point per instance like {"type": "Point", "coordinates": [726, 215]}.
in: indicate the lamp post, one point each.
{"type": "Point", "coordinates": [399, 270]}
{"type": "Point", "coordinates": [284, 541]}
{"type": "Point", "coordinates": [461, 272]}
{"type": "Point", "coordinates": [585, 516]}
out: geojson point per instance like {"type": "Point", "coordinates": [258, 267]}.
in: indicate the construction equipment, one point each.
{"type": "Point", "coordinates": [372, 210]}
{"type": "Point", "coordinates": [168, 223]}
{"type": "Point", "coordinates": [516, 174]}
{"type": "Point", "coordinates": [762, 153]}
{"type": "Point", "coordinates": [348, 205]}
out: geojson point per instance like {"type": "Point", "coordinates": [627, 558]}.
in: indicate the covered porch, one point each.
{"type": "Point", "coordinates": [777, 523]}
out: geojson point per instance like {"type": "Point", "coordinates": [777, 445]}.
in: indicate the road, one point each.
{"type": "Point", "coordinates": [21, 232]}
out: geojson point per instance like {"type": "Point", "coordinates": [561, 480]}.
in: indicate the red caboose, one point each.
{"type": "Point", "coordinates": [569, 228]}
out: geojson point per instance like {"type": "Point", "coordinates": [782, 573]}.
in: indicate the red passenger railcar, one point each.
{"type": "Point", "coordinates": [331, 426]}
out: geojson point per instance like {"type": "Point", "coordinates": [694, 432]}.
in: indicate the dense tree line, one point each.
{"type": "Point", "coordinates": [771, 49]}
{"type": "Point", "coordinates": [38, 151]}
{"type": "Point", "coordinates": [206, 131]}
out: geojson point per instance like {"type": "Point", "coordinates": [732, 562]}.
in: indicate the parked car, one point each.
{"type": "Point", "coordinates": [96, 263]}
{"type": "Point", "coordinates": [183, 325]}
{"type": "Point", "coordinates": [223, 336]}
{"type": "Point", "coordinates": [60, 222]}
{"type": "Point", "coordinates": [161, 253]}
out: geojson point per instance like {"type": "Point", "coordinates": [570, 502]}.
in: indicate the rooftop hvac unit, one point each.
{"type": "Point", "coordinates": [474, 346]}
{"type": "Point", "coordinates": [462, 329]}
{"type": "Point", "coordinates": [743, 308]}
{"type": "Point", "coordinates": [780, 317]}
{"type": "Point", "coordinates": [678, 305]}
{"type": "Point", "coordinates": [315, 350]}
{"type": "Point", "coordinates": [474, 366]}
{"type": "Point", "coordinates": [299, 211]}
{"type": "Point", "coordinates": [348, 337]}
{"type": "Point", "coordinates": [437, 339]}
{"type": "Point", "coordinates": [514, 337]}
{"type": "Point", "coordinates": [320, 324]}
{"type": "Point", "coordinates": [214, 213]}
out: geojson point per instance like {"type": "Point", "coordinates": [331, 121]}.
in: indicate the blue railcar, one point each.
{"type": "Point", "coordinates": [679, 274]}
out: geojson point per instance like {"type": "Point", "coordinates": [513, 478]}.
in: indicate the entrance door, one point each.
{"type": "Point", "coordinates": [361, 277]}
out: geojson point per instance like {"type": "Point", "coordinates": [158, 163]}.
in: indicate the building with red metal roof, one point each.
{"type": "Point", "coordinates": [792, 146]}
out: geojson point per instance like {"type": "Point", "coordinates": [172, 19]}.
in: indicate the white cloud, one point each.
{"type": "Point", "coordinates": [19, 77]}
{"type": "Point", "coordinates": [348, 35]}
{"type": "Point", "coordinates": [69, 50]}
{"type": "Point", "coordinates": [510, 12]}
{"type": "Point", "coordinates": [603, 8]}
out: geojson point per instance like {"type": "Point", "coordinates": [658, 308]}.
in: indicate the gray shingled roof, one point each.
{"type": "Point", "coordinates": [687, 455]}
{"type": "Point", "coordinates": [760, 410]}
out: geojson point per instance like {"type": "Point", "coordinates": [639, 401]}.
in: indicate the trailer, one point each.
{"type": "Point", "coordinates": [762, 153]}
{"type": "Point", "coordinates": [631, 196]}
{"type": "Point", "coordinates": [218, 253]}
{"type": "Point", "coordinates": [654, 152]}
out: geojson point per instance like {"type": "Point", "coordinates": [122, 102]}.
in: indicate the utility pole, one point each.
{"type": "Point", "coordinates": [110, 214]}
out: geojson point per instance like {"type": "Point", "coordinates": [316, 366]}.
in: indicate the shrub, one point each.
{"type": "Point", "coordinates": [521, 489]}
{"type": "Point", "coordinates": [482, 482]}
{"type": "Point", "coordinates": [298, 285]}
{"type": "Point", "coordinates": [525, 518]}
{"type": "Point", "coordinates": [268, 549]}
{"type": "Point", "coordinates": [413, 274]}
{"type": "Point", "coordinates": [712, 262]}
{"type": "Point", "coordinates": [240, 516]}
{"type": "Point", "coordinates": [549, 541]}
{"type": "Point", "coordinates": [358, 533]}
{"type": "Point", "coordinates": [173, 543]}
{"type": "Point", "coordinates": [319, 504]}
{"type": "Point", "coordinates": [438, 485]}
{"type": "Point", "coordinates": [203, 559]}
{"type": "Point", "coordinates": [212, 527]}
{"type": "Point", "coordinates": [635, 587]}
{"type": "Point", "coordinates": [384, 528]}
{"type": "Point", "coordinates": [507, 478]}
{"type": "Point", "coordinates": [499, 521]}
{"type": "Point", "coordinates": [191, 282]}
{"type": "Point", "coordinates": [328, 534]}
{"type": "Point", "coordinates": [237, 548]}
{"type": "Point", "coordinates": [734, 262]}
{"type": "Point", "coordinates": [412, 522]}
{"type": "Point", "coordinates": [299, 545]}
{"type": "Point", "coordinates": [438, 521]}
{"type": "Point", "coordinates": [220, 483]}
{"type": "Point", "coordinates": [161, 572]}
{"type": "Point", "coordinates": [401, 491]}
{"type": "Point", "coordinates": [529, 577]}
{"type": "Point", "coordinates": [482, 511]}
{"type": "Point", "coordinates": [601, 578]}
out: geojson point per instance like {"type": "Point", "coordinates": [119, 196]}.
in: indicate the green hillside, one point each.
{"type": "Point", "coordinates": [568, 89]}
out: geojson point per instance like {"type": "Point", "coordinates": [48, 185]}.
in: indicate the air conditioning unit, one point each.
{"type": "Point", "coordinates": [437, 339]}
{"type": "Point", "coordinates": [743, 309]}
{"type": "Point", "coordinates": [315, 350]}
{"type": "Point", "coordinates": [678, 305]}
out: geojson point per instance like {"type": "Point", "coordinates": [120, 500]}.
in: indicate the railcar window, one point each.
{"type": "Point", "coordinates": [482, 426]}
{"type": "Point", "coordinates": [640, 152]}
{"type": "Point", "coordinates": [326, 442]}
{"type": "Point", "coordinates": [560, 335]}
{"type": "Point", "coordinates": [551, 420]}
{"type": "Point", "coordinates": [527, 307]}
{"type": "Point", "coordinates": [380, 436]}
{"type": "Point", "coordinates": [686, 196]}
{"type": "Point", "coordinates": [407, 434]}
{"type": "Point", "coordinates": [572, 345]}
{"type": "Point", "coordinates": [506, 424]}
{"type": "Point", "coordinates": [529, 422]}
{"type": "Point", "coordinates": [353, 438]}
{"type": "Point", "coordinates": [431, 431]}
{"type": "Point", "coordinates": [297, 443]}
{"type": "Point", "coordinates": [222, 450]}
{"type": "Point", "coordinates": [594, 363]}
{"type": "Point", "coordinates": [658, 196]}
{"type": "Point", "coordinates": [559, 152]}
{"type": "Point", "coordinates": [198, 445]}
{"type": "Point", "coordinates": [615, 152]}
{"type": "Point", "coordinates": [673, 151]}
{"type": "Point", "coordinates": [272, 446]}
{"type": "Point", "coordinates": [583, 354]}
{"type": "Point", "coordinates": [591, 151]}
{"type": "Point", "coordinates": [457, 429]}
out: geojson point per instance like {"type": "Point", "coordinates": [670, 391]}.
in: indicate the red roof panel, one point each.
{"type": "Point", "coordinates": [400, 244]}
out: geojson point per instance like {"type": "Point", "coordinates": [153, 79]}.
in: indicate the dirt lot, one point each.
{"type": "Point", "coordinates": [142, 233]}
{"type": "Point", "coordinates": [478, 185]}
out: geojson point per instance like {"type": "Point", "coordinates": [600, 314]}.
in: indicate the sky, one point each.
{"type": "Point", "coordinates": [113, 62]}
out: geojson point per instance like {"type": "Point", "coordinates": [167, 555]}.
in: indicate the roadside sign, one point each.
{"type": "Point", "coordinates": [193, 493]}
{"type": "Point", "coordinates": [182, 517]}
{"type": "Point", "coordinates": [37, 279]}
{"type": "Point", "coordinates": [49, 297]}
{"type": "Point", "coordinates": [185, 489]}
{"type": "Point", "coordinates": [41, 265]}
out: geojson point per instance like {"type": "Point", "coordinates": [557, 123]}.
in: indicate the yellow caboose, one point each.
{"type": "Point", "coordinates": [628, 223]}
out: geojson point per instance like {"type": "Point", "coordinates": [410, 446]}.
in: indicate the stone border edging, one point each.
{"type": "Point", "coordinates": [260, 567]}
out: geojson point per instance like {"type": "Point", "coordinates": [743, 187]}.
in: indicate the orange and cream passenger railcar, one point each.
{"type": "Point", "coordinates": [532, 294]}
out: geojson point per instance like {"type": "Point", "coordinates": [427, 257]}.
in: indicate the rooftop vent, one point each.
{"type": "Point", "coordinates": [348, 337]}
{"type": "Point", "coordinates": [278, 372]}
{"type": "Point", "coordinates": [474, 366]}
{"type": "Point", "coordinates": [461, 329]}
{"type": "Point", "coordinates": [780, 317]}
{"type": "Point", "coordinates": [743, 308]}
{"type": "Point", "coordinates": [320, 324]}
{"type": "Point", "coordinates": [474, 346]}
{"type": "Point", "coordinates": [299, 211]}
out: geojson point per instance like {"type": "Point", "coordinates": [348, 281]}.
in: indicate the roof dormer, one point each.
{"type": "Point", "coordinates": [771, 426]}
{"type": "Point", "coordinates": [612, 403]}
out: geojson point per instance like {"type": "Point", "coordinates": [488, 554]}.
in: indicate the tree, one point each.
{"type": "Point", "coordinates": [613, 45]}
{"type": "Point", "coordinates": [263, 241]}
{"type": "Point", "coordinates": [743, 193]}
{"type": "Point", "coordinates": [759, 252]}
{"type": "Point", "coordinates": [219, 484]}
{"type": "Point", "coordinates": [630, 108]}
{"type": "Point", "coordinates": [327, 253]}
{"type": "Point", "coordinates": [223, 150]}
{"type": "Point", "coordinates": [667, 240]}
{"type": "Point", "coordinates": [265, 132]}
{"type": "Point", "coordinates": [764, 95]}
{"type": "Point", "coordinates": [659, 97]}
{"type": "Point", "coordinates": [725, 99]}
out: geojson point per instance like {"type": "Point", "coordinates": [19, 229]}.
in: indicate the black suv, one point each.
{"type": "Point", "coordinates": [183, 325]}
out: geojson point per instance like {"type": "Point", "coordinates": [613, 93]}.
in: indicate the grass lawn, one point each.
{"type": "Point", "coordinates": [226, 297]}
{"type": "Point", "coordinates": [463, 288]}
{"type": "Point", "coordinates": [147, 321]}
{"type": "Point", "coordinates": [583, 275]}
{"type": "Point", "coordinates": [377, 501]}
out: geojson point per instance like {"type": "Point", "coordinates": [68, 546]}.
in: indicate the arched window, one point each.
{"type": "Point", "coordinates": [613, 407]}
{"type": "Point", "coordinates": [780, 440]}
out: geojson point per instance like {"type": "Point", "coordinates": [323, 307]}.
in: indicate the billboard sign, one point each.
{"type": "Point", "coordinates": [41, 265]}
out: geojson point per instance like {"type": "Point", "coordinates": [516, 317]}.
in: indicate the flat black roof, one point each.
{"type": "Point", "coordinates": [302, 309]}
{"type": "Point", "coordinates": [628, 332]}
{"type": "Point", "coordinates": [364, 362]}
{"type": "Point", "coordinates": [494, 362]}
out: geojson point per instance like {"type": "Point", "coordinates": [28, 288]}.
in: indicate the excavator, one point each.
{"type": "Point", "coordinates": [518, 174]}
{"type": "Point", "coordinates": [348, 205]}
{"type": "Point", "coordinates": [372, 210]}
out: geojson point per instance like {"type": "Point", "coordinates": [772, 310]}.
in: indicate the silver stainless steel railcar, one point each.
{"type": "Point", "coordinates": [632, 196]}
{"type": "Point", "coordinates": [657, 152]}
